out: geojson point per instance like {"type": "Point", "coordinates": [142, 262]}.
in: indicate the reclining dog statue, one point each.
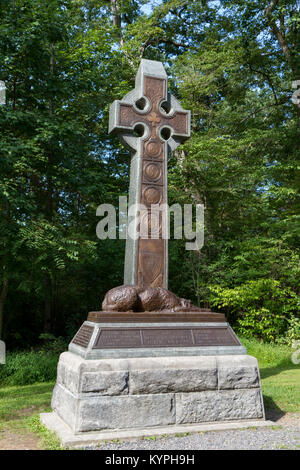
{"type": "Point", "coordinates": [145, 299]}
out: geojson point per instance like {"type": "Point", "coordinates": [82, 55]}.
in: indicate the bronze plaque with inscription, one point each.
{"type": "Point", "coordinates": [218, 336]}
{"type": "Point", "coordinates": [144, 337]}
{"type": "Point", "coordinates": [166, 337]}
{"type": "Point", "coordinates": [118, 338]}
{"type": "Point", "coordinates": [83, 336]}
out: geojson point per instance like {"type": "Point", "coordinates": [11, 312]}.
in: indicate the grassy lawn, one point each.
{"type": "Point", "coordinates": [20, 405]}
{"type": "Point", "coordinates": [20, 399]}
{"type": "Point", "coordinates": [280, 377]}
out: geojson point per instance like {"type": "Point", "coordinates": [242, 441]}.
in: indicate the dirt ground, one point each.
{"type": "Point", "coordinates": [18, 441]}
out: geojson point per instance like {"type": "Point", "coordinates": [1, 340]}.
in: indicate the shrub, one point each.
{"type": "Point", "coordinates": [52, 344]}
{"type": "Point", "coordinates": [293, 332]}
{"type": "Point", "coordinates": [28, 367]}
{"type": "Point", "coordinates": [259, 308]}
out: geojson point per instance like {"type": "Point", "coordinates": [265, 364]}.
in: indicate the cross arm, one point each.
{"type": "Point", "coordinates": [116, 112]}
{"type": "Point", "coordinates": [179, 120]}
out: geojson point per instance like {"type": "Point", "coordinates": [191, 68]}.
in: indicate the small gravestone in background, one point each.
{"type": "Point", "coordinates": [150, 362]}
{"type": "Point", "coordinates": [2, 352]}
{"type": "Point", "coordinates": [2, 92]}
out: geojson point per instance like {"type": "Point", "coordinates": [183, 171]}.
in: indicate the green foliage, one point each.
{"type": "Point", "coordinates": [28, 367]}
{"type": "Point", "coordinates": [63, 63]}
{"type": "Point", "coordinates": [269, 355]}
{"type": "Point", "coordinates": [292, 334]}
{"type": "Point", "coordinates": [52, 345]}
{"type": "Point", "coordinates": [260, 308]}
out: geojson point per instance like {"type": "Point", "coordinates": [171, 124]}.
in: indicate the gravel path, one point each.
{"type": "Point", "coordinates": [285, 434]}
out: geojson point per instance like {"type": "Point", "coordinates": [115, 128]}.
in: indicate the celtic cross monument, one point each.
{"type": "Point", "coordinates": [151, 122]}
{"type": "Point", "coordinates": [149, 362]}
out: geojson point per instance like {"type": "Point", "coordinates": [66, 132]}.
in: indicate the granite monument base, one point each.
{"type": "Point", "coordinates": [130, 374]}
{"type": "Point", "coordinates": [136, 394]}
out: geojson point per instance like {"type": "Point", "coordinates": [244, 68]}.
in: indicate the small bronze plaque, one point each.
{"type": "Point", "coordinates": [219, 336]}
{"type": "Point", "coordinates": [167, 337]}
{"type": "Point", "coordinates": [118, 338]}
{"type": "Point", "coordinates": [144, 337]}
{"type": "Point", "coordinates": [83, 336]}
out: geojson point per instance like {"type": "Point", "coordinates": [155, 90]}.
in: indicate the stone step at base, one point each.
{"type": "Point", "coordinates": [69, 439]}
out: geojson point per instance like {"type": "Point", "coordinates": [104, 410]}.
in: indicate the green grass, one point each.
{"type": "Point", "coordinates": [48, 439]}
{"type": "Point", "coordinates": [269, 354]}
{"type": "Point", "coordinates": [20, 405]}
{"type": "Point", "coordinates": [16, 400]}
{"type": "Point", "coordinates": [280, 377]}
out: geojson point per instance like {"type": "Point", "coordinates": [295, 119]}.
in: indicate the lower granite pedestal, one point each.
{"type": "Point", "coordinates": [129, 375]}
{"type": "Point", "coordinates": [128, 397]}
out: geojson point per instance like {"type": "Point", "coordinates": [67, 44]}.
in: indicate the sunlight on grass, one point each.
{"type": "Point", "coordinates": [49, 439]}
{"type": "Point", "coordinates": [20, 407]}
{"type": "Point", "coordinates": [15, 399]}
{"type": "Point", "coordinates": [279, 376]}
{"type": "Point", "coordinates": [282, 389]}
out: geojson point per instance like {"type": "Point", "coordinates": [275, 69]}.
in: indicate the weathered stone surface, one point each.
{"type": "Point", "coordinates": [242, 377]}
{"type": "Point", "coordinates": [237, 372]}
{"type": "Point", "coordinates": [125, 412]}
{"type": "Point", "coordinates": [69, 371]}
{"type": "Point", "coordinates": [172, 380]}
{"type": "Point", "coordinates": [105, 383]}
{"type": "Point", "coordinates": [92, 395]}
{"type": "Point", "coordinates": [218, 406]}
{"type": "Point", "coordinates": [78, 375]}
{"type": "Point", "coordinates": [79, 365]}
{"type": "Point", "coordinates": [68, 377]}
{"type": "Point", "coordinates": [65, 404]}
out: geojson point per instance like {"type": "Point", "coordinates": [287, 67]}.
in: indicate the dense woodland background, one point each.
{"type": "Point", "coordinates": [233, 63]}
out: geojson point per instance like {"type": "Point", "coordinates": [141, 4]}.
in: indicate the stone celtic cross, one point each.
{"type": "Point", "coordinates": [151, 122]}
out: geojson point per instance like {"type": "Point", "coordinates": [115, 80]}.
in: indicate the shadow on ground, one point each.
{"type": "Point", "coordinates": [272, 410]}
{"type": "Point", "coordinates": [266, 372]}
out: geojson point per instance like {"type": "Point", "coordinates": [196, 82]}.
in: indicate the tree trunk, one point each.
{"type": "Point", "coordinates": [115, 9]}
{"type": "Point", "coordinates": [280, 34]}
{"type": "Point", "coordinates": [47, 305]}
{"type": "Point", "coordinates": [49, 208]}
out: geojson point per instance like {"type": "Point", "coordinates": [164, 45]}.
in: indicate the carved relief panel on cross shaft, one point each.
{"type": "Point", "coordinates": [152, 252]}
